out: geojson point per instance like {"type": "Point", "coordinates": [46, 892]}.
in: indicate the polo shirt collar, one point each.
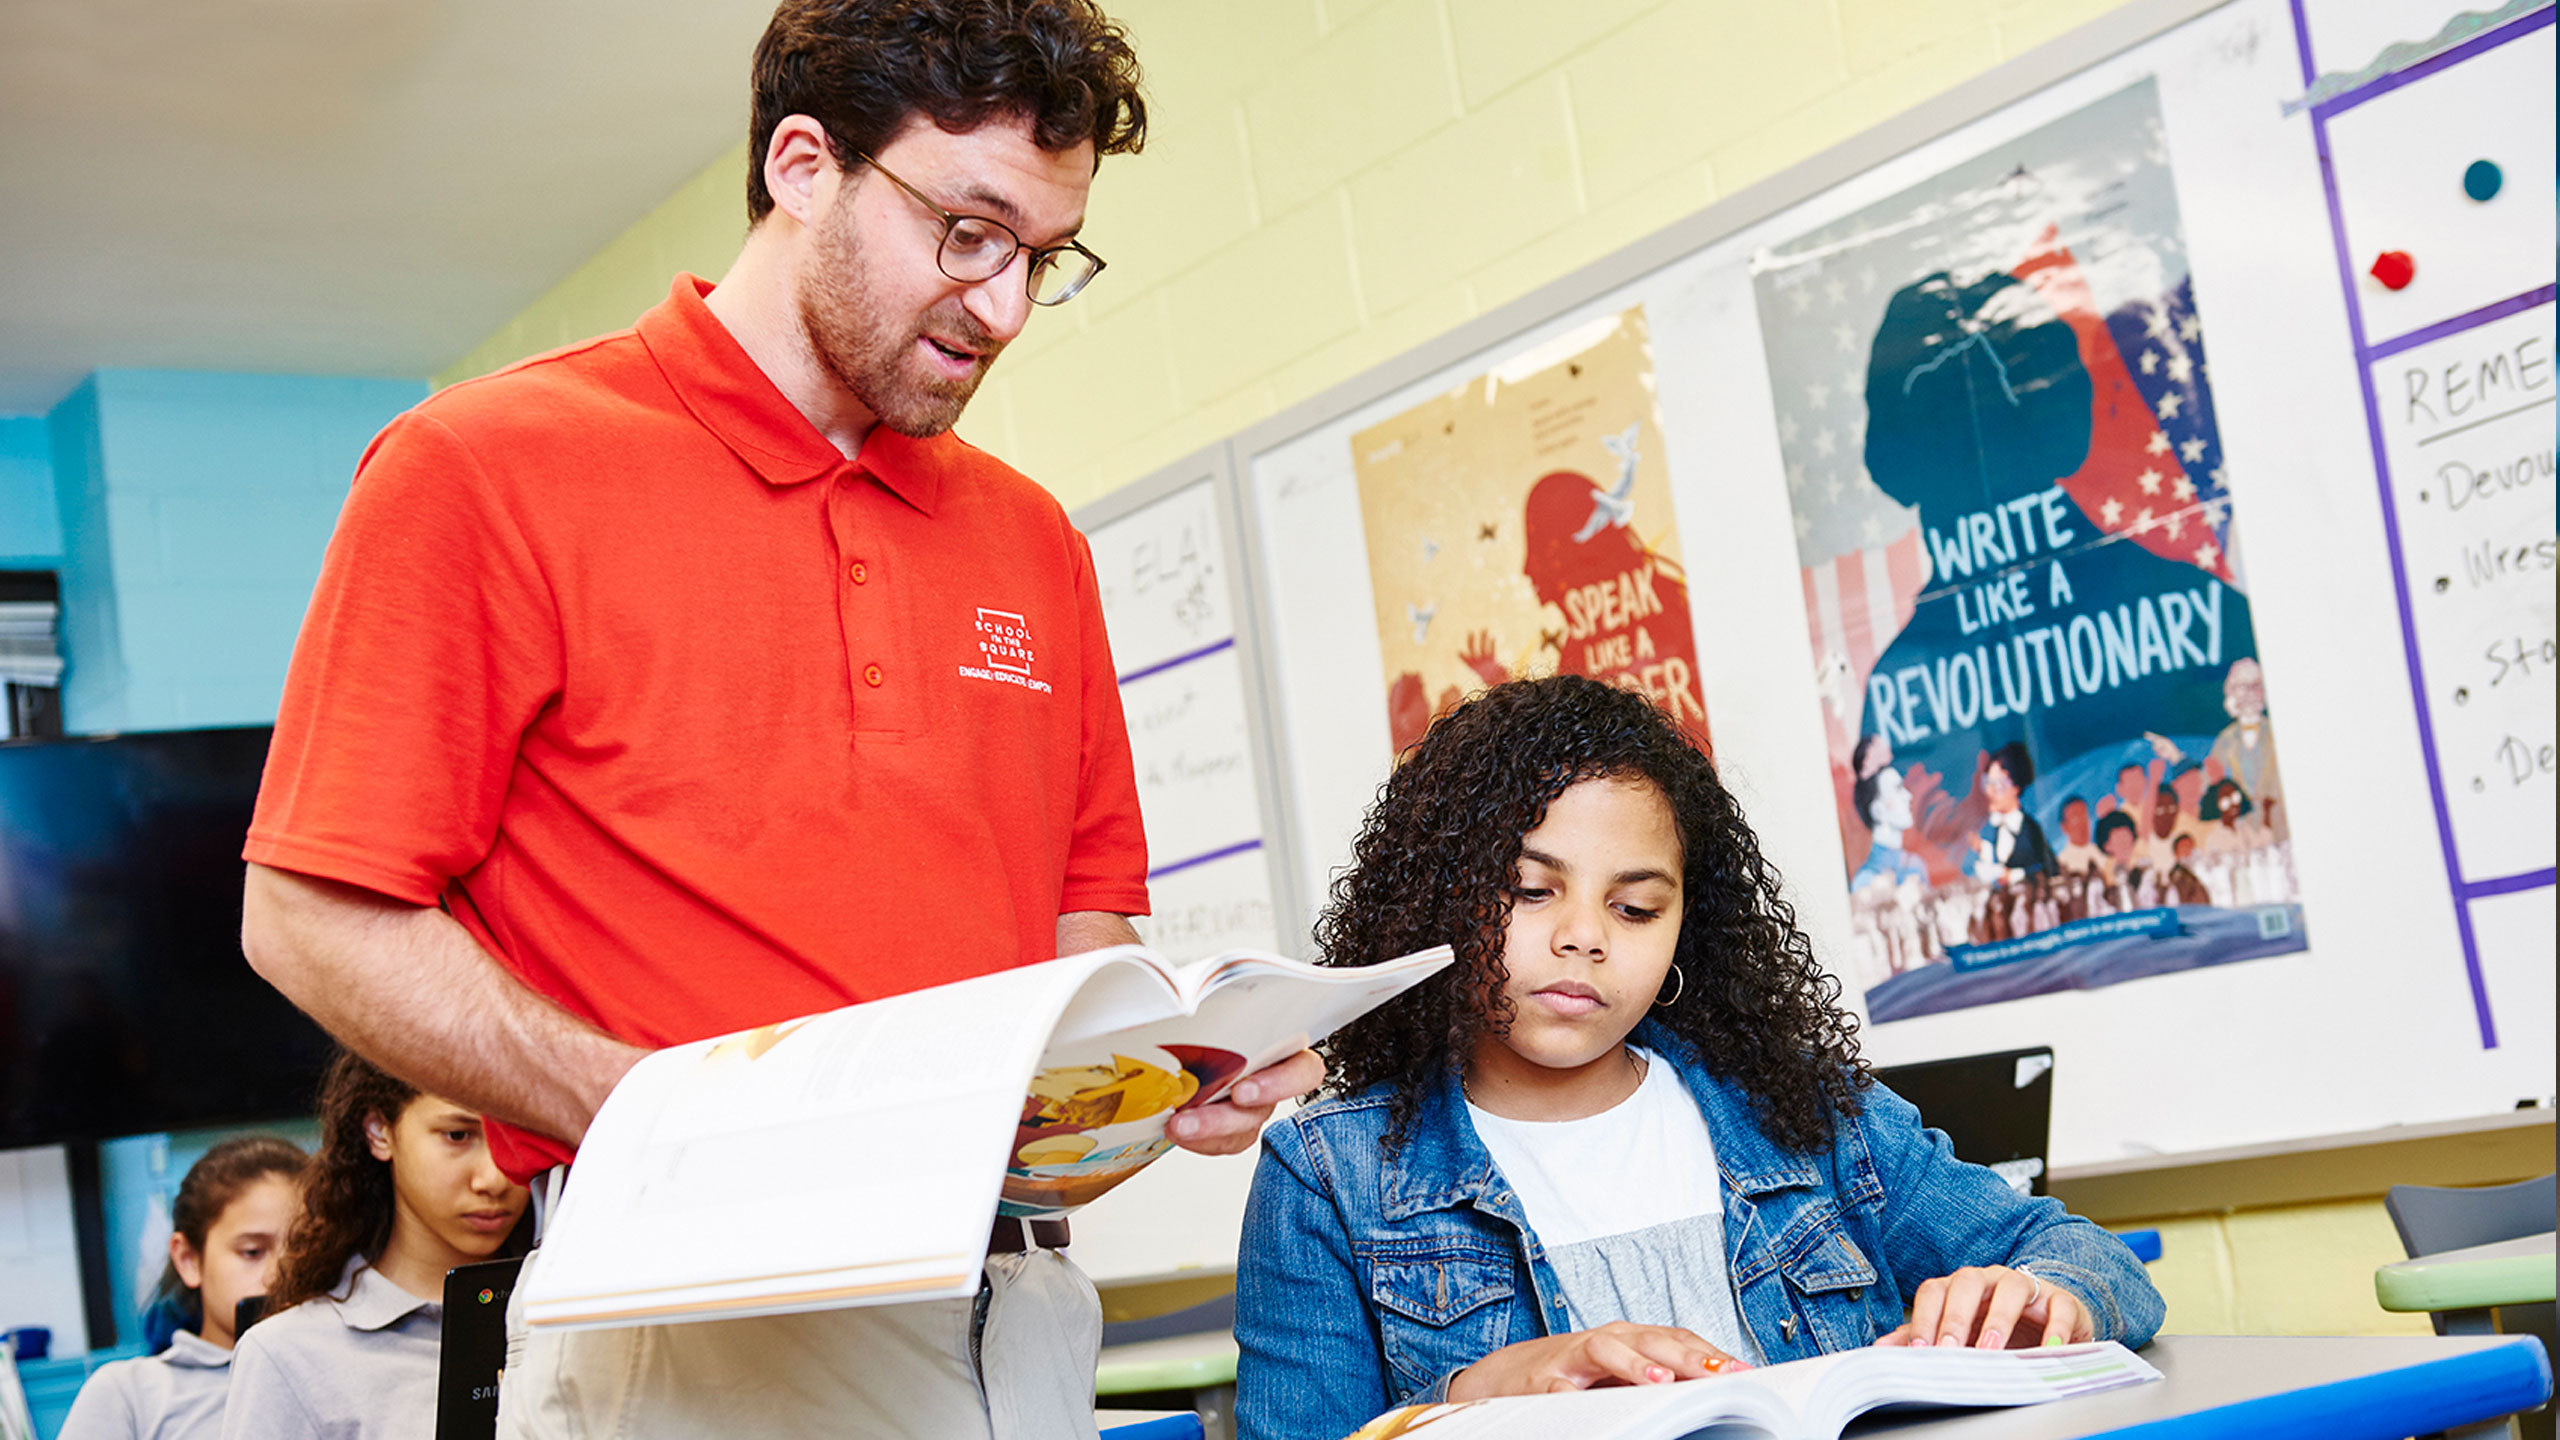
{"type": "Point", "coordinates": [913, 469]}
{"type": "Point", "coordinates": [733, 398]}
{"type": "Point", "coordinates": [374, 1302]}
{"type": "Point", "coordinates": [191, 1351]}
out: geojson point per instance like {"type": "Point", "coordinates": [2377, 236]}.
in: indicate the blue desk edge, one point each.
{"type": "Point", "coordinates": [1170, 1427]}
{"type": "Point", "coordinates": [2483, 1384]}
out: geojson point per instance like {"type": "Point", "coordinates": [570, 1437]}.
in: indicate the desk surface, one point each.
{"type": "Point", "coordinates": [2206, 1372]}
{"type": "Point", "coordinates": [2510, 1272]}
{"type": "Point", "coordinates": [1177, 1362]}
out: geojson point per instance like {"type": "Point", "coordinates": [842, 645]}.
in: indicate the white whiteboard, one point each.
{"type": "Point", "coordinates": [1166, 567]}
{"type": "Point", "coordinates": [1166, 581]}
{"type": "Point", "coordinates": [2459, 387]}
{"type": "Point", "coordinates": [2376, 1022]}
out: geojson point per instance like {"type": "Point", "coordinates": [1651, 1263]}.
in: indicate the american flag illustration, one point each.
{"type": "Point", "coordinates": [2154, 469]}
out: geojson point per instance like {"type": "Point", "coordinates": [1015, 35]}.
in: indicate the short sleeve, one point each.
{"type": "Point", "coordinates": [431, 643]}
{"type": "Point", "coordinates": [263, 1404]}
{"type": "Point", "coordinates": [1107, 859]}
{"type": "Point", "coordinates": [104, 1408]}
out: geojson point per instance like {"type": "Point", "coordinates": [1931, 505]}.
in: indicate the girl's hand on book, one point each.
{"type": "Point", "coordinates": [1227, 1126]}
{"type": "Point", "coordinates": [1618, 1353]}
{"type": "Point", "coordinates": [1992, 1307]}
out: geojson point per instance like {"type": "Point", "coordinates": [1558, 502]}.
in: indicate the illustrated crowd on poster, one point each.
{"type": "Point", "coordinates": [2049, 729]}
{"type": "Point", "coordinates": [2175, 829]}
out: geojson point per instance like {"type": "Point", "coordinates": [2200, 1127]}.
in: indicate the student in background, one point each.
{"type": "Point", "coordinates": [226, 1228]}
{"type": "Point", "coordinates": [402, 1191]}
{"type": "Point", "coordinates": [1627, 1138]}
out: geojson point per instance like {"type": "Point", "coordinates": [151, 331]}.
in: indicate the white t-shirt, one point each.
{"type": "Point", "coordinates": [1630, 1209]}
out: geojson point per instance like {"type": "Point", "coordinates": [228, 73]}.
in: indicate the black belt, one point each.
{"type": "Point", "coordinates": [1013, 1236]}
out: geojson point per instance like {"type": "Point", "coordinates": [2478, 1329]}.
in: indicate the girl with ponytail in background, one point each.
{"type": "Point", "coordinates": [226, 1227]}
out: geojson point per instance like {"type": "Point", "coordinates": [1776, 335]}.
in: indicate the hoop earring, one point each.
{"type": "Point", "coordinates": [1679, 986]}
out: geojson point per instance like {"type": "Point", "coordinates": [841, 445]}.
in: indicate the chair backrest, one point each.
{"type": "Point", "coordinates": [2432, 1220]}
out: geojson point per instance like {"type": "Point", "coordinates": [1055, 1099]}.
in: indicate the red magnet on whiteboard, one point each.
{"type": "Point", "coordinates": [2394, 269]}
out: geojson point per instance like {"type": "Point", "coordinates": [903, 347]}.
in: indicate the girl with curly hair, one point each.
{"type": "Point", "coordinates": [402, 1190]}
{"type": "Point", "coordinates": [1627, 1138]}
{"type": "Point", "coordinates": [226, 1228]}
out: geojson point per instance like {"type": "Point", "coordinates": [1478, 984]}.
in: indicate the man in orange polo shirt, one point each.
{"type": "Point", "coordinates": [696, 677]}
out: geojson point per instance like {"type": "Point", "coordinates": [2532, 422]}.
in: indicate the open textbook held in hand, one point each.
{"type": "Point", "coordinates": [860, 1157]}
{"type": "Point", "coordinates": [1800, 1400]}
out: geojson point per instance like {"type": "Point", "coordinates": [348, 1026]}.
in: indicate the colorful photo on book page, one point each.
{"type": "Point", "coordinates": [1090, 1122]}
{"type": "Point", "coordinates": [2052, 740]}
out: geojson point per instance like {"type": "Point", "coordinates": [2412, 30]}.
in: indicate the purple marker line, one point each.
{"type": "Point", "coordinates": [2476, 45]}
{"type": "Point", "coordinates": [1195, 861]}
{"type": "Point", "coordinates": [1185, 658]}
{"type": "Point", "coordinates": [2400, 582]}
{"type": "Point", "coordinates": [2500, 310]}
{"type": "Point", "coordinates": [2302, 46]}
{"type": "Point", "coordinates": [2509, 884]}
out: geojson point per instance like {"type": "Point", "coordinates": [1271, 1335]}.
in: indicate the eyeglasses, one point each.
{"type": "Point", "coordinates": [975, 249]}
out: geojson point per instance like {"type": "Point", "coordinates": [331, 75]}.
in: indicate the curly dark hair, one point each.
{"type": "Point", "coordinates": [864, 68]}
{"type": "Point", "coordinates": [347, 1197]}
{"type": "Point", "coordinates": [1437, 859]}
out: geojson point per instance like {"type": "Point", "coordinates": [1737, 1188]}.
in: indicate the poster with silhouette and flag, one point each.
{"type": "Point", "coordinates": [1520, 524]}
{"type": "Point", "coordinates": [2048, 725]}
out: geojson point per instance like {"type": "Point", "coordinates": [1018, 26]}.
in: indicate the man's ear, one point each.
{"type": "Point", "coordinates": [377, 1137]}
{"type": "Point", "coordinates": [190, 1265]}
{"type": "Point", "coordinates": [795, 161]}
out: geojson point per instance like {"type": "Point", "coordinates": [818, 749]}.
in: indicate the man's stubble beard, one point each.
{"type": "Point", "coordinates": [876, 365]}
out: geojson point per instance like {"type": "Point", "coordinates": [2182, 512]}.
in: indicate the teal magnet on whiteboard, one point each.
{"type": "Point", "coordinates": [2483, 180]}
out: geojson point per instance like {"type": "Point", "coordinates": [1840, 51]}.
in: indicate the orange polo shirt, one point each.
{"type": "Point", "coordinates": [689, 720]}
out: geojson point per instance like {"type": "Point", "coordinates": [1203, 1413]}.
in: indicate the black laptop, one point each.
{"type": "Point", "coordinates": [475, 1349]}
{"type": "Point", "coordinates": [1997, 1109]}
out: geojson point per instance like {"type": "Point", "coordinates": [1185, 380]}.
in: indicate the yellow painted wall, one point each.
{"type": "Point", "coordinates": [2283, 1270]}
{"type": "Point", "coordinates": [698, 228]}
{"type": "Point", "coordinates": [1332, 182]}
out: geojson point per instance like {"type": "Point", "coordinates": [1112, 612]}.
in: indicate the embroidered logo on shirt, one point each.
{"type": "Point", "coordinates": [1004, 642]}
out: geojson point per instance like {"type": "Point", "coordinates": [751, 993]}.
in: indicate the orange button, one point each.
{"type": "Point", "coordinates": [872, 674]}
{"type": "Point", "coordinates": [857, 572]}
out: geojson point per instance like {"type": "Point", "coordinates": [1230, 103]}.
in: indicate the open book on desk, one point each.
{"type": "Point", "coordinates": [859, 1157]}
{"type": "Point", "coordinates": [1800, 1400]}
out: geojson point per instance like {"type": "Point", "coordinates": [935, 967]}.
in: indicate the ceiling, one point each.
{"type": "Point", "coordinates": [332, 187]}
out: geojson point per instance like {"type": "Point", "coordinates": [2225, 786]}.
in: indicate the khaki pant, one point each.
{"type": "Point", "coordinates": [884, 1370]}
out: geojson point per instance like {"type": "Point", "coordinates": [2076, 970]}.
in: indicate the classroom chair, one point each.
{"type": "Point", "coordinates": [2433, 1219]}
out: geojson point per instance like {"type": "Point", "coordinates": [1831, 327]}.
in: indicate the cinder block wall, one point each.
{"type": "Point", "coordinates": [1332, 182]}
{"type": "Point", "coordinates": [194, 508]}
{"type": "Point", "coordinates": [30, 531]}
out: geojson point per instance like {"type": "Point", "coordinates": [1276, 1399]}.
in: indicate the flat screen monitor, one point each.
{"type": "Point", "coordinates": [1997, 1109]}
{"type": "Point", "coordinates": [125, 1004]}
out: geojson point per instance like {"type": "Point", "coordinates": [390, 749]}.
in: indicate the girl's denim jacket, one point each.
{"type": "Point", "coordinates": [1369, 1278]}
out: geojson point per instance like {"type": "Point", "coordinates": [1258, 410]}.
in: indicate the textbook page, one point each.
{"type": "Point", "coordinates": [858, 1157]}
{"type": "Point", "coordinates": [1100, 1099]}
{"type": "Point", "coordinates": [1621, 1412]}
{"type": "Point", "coordinates": [1797, 1400]}
{"type": "Point", "coordinates": [1832, 1390]}
{"type": "Point", "coordinates": [673, 1212]}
